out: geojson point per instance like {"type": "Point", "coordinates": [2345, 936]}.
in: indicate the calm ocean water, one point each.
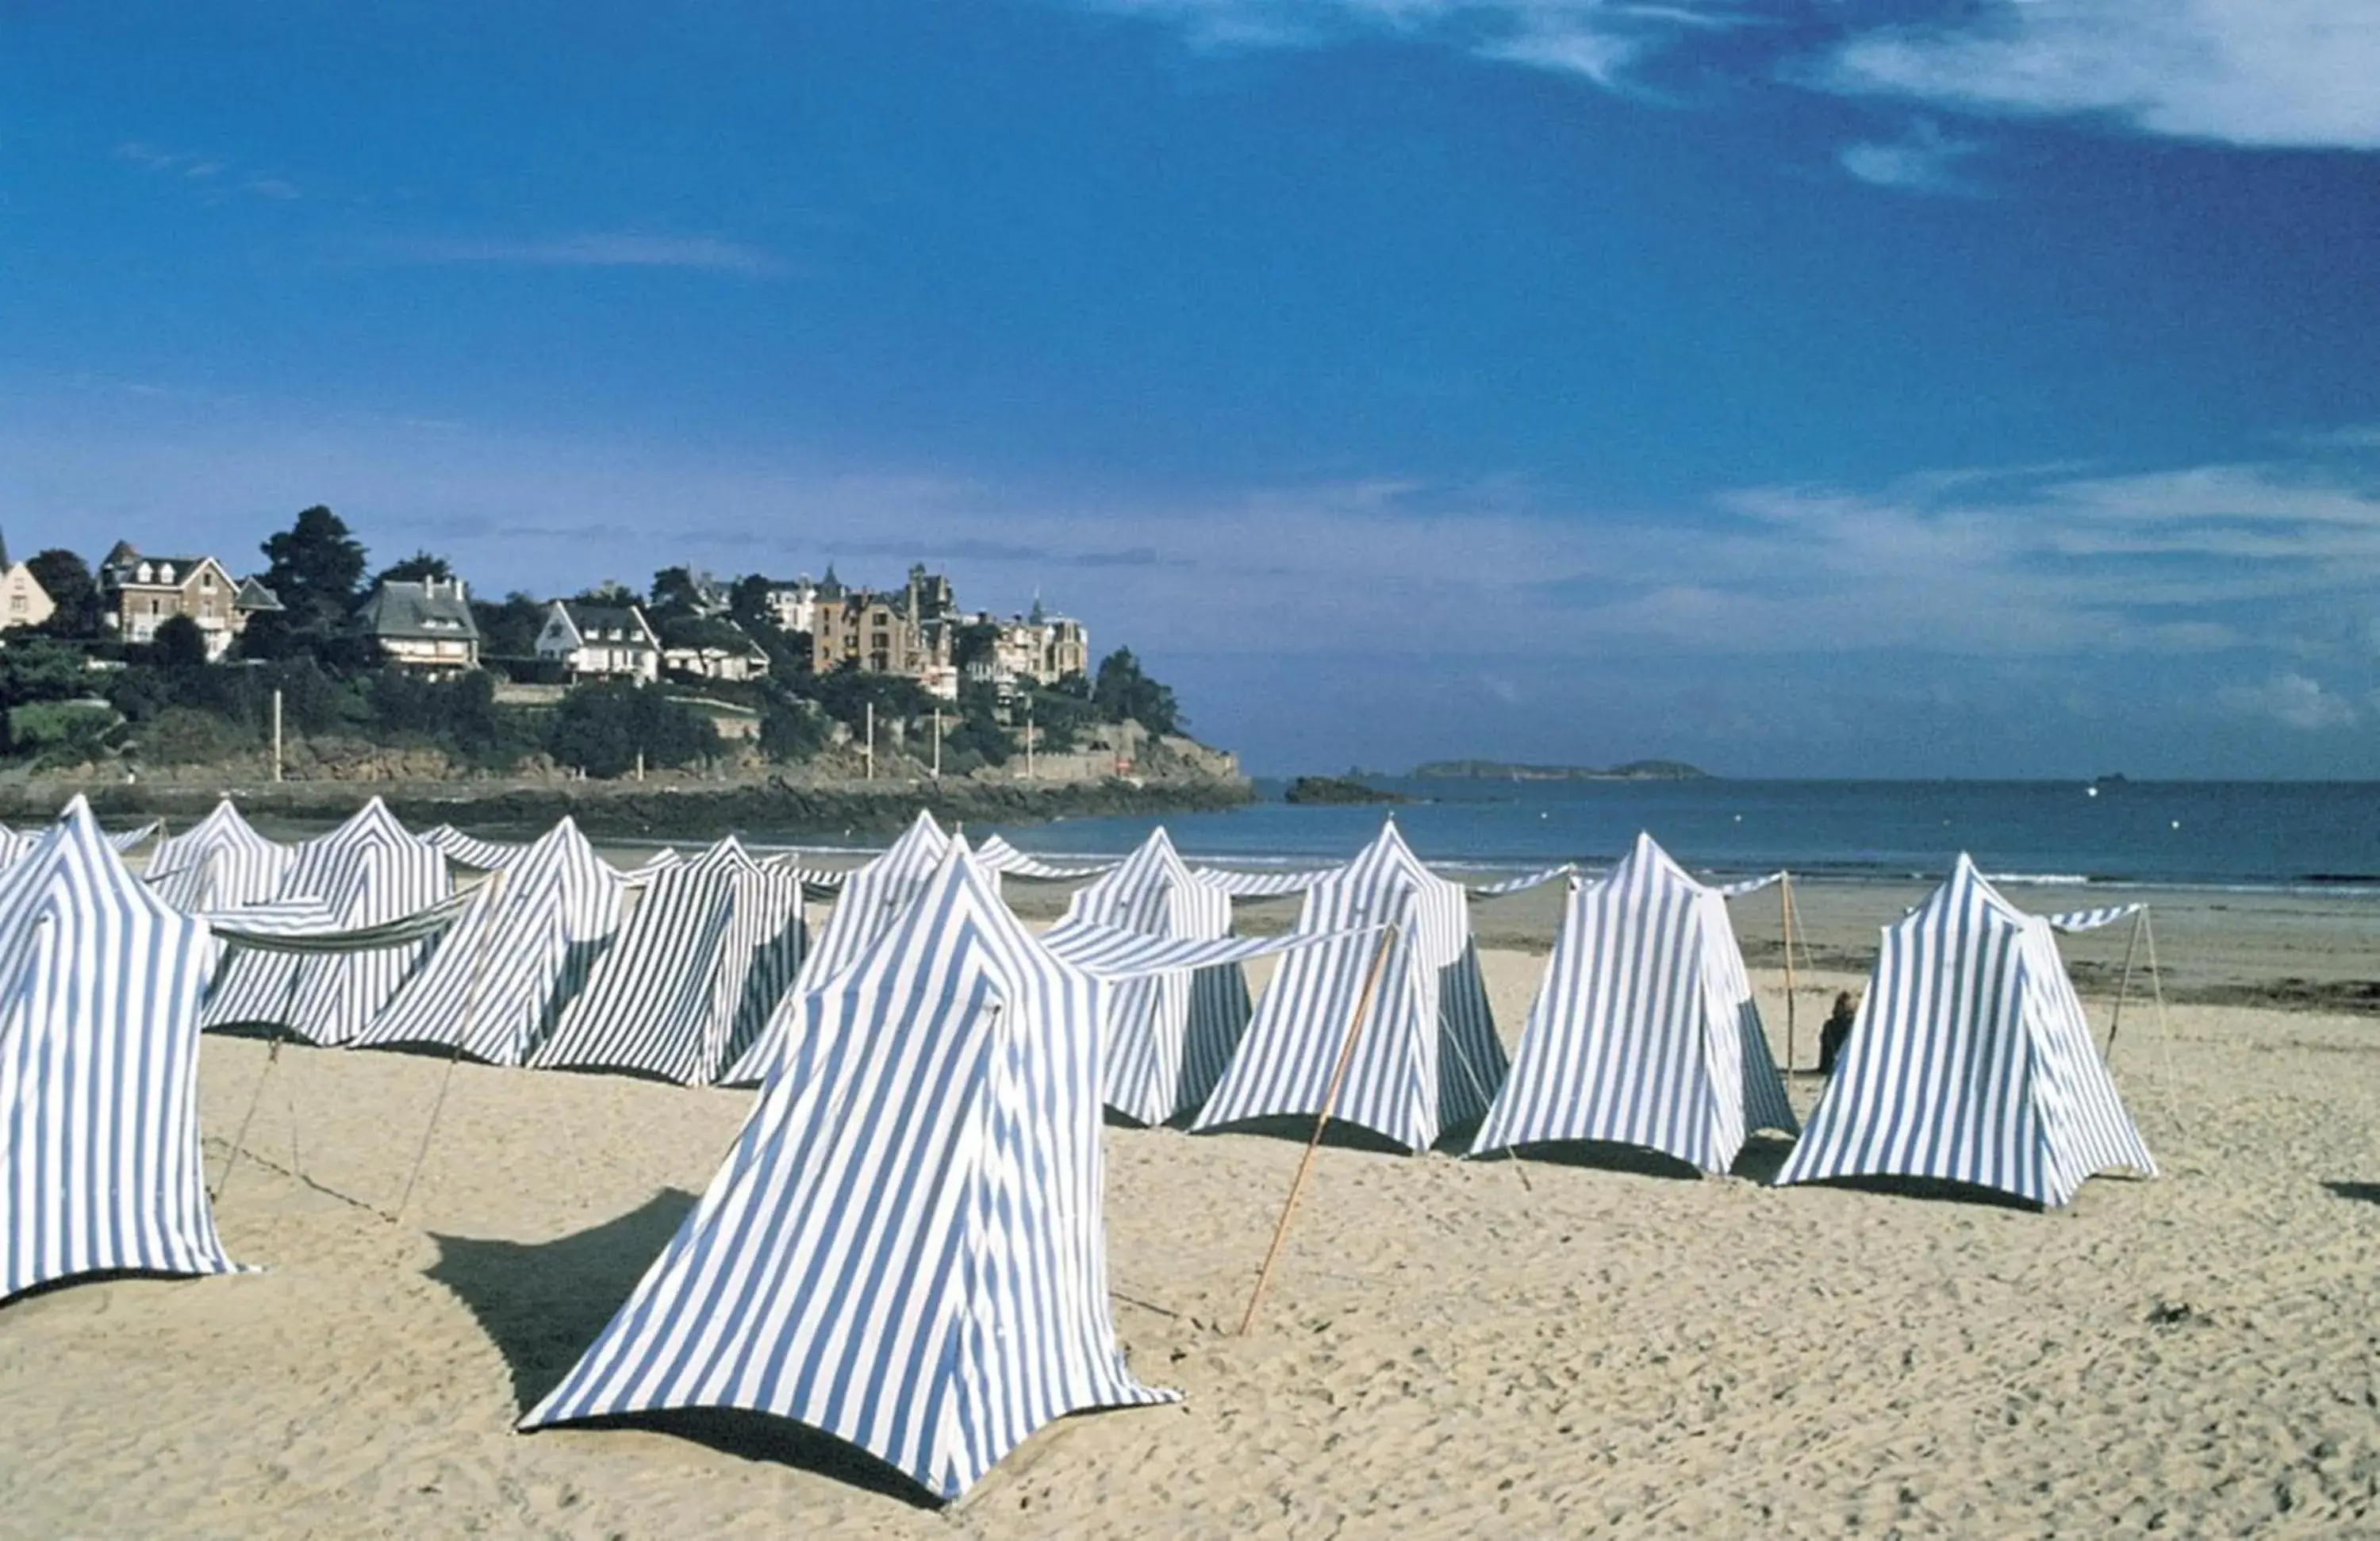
{"type": "Point", "coordinates": [2221, 834]}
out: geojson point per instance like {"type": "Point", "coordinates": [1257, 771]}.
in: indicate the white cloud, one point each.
{"type": "Point", "coordinates": [599, 250]}
{"type": "Point", "coordinates": [205, 170]}
{"type": "Point", "coordinates": [2289, 698]}
{"type": "Point", "coordinates": [2267, 73]}
{"type": "Point", "coordinates": [1591, 39]}
{"type": "Point", "coordinates": [1924, 160]}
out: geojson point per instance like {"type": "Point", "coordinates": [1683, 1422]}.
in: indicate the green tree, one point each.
{"type": "Point", "coordinates": [510, 629]}
{"type": "Point", "coordinates": [315, 566]}
{"type": "Point", "coordinates": [747, 601]}
{"type": "Point", "coordinates": [673, 593]}
{"type": "Point", "coordinates": [67, 580]}
{"type": "Point", "coordinates": [610, 591]}
{"type": "Point", "coordinates": [601, 728]}
{"type": "Point", "coordinates": [1122, 691]}
{"type": "Point", "coordinates": [178, 645]}
{"type": "Point", "coordinates": [792, 730]}
{"type": "Point", "coordinates": [413, 570]}
{"type": "Point", "coordinates": [38, 669]}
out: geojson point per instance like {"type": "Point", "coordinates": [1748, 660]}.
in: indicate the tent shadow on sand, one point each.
{"type": "Point", "coordinates": [1298, 1128]}
{"type": "Point", "coordinates": [542, 1303]}
{"type": "Point", "coordinates": [2367, 1191]}
{"type": "Point", "coordinates": [1939, 1189]}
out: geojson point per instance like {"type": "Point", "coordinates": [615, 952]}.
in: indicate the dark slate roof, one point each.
{"type": "Point", "coordinates": [591, 618]}
{"type": "Point", "coordinates": [252, 595]}
{"type": "Point", "coordinates": [436, 610]}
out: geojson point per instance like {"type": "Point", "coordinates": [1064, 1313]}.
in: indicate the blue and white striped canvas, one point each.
{"type": "Point", "coordinates": [1170, 1036]}
{"type": "Point", "coordinates": [100, 1164]}
{"type": "Point", "coordinates": [707, 951]}
{"type": "Point", "coordinates": [873, 897]}
{"type": "Point", "coordinates": [997, 856]}
{"type": "Point", "coordinates": [218, 864]}
{"type": "Point", "coordinates": [905, 1249]}
{"type": "Point", "coordinates": [522, 952]}
{"type": "Point", "coordinates": [1970, 1062]}
{"type": "Point", "coordinates": [486, 855]}
{"type": "Point", "coordinates": [1426, 1059]}
{"type": "Point", "coordinates": [1643, 1031]}
{"type": "Point", "coordinates": [371, 871]}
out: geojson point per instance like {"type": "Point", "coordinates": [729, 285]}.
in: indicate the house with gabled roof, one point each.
{"type": "Point", "coordinates": [601, 641]}
{"type": "Point", "coordinates": [23, 600]}
{"type": "Point", "coordinates": [137, 594]}
{"type": "Point", "coordinates": [425, 625]}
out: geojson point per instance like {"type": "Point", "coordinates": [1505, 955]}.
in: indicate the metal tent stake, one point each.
{"type": "Point", "coordinates": [1330, 1100]}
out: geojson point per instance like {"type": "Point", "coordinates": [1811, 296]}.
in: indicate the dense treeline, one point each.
{"type": "Point", "coordinates": [71, 695]}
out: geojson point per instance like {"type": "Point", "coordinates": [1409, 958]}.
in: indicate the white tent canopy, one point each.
{"type": "Point", "coordinates": [905, 1249]}
{"type": "Point", "coordinates": [1425, 1058]}
{"type": "Point", "coordinates": [1169, 1035]}
{"type": "Point", "coordinates": [699, 965]}
{"type": "Point", "coordinates": [1643, 1031]}
{"type": "Point", "coordinates": [874, 897]}
{"type": "Point", "coordinates": [520, 953]}
{"type": "Point", "coordinates": [1970, 1062]}
{"type": "Point", "coordinates": [100, 1164]}
{"type": "Point", "coordinates": [218, 863]}
{"type": "Point", "coordinates": [371, 872]}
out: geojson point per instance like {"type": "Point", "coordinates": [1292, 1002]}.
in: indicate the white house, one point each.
{"type": "Point", "coordinates": [426, 625]}
{"type": "Point", "coordinates": [596, 641]}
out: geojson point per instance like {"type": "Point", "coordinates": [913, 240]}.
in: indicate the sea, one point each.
{"type": "Point", "coordinates": [2285, 836]}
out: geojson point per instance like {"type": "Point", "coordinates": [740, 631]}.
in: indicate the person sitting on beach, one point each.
{"type": "Point", "coordinates": [1837, 1031]}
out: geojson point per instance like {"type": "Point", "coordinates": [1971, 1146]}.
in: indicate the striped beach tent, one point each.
{"type": "Point", "coordinates": [218, 863]}
{"type": "Point", "coordinates": [519, 954]}
{"type": "Point", "coordinates": [1643, 1031]}
{"type": "Point", "coordinates": [873, 897]}
{"type": "Point", "coordinates": [1970, 1062]}
{"type": "Point", "coordinates": [1169, 1035]}
{"type": "Point", "coordinates": [905, 1249]}
{"type": "Point", "coordinates": [997, 856]}
{"type": "Point", "coordinates": [1425, 1058]}
{"type": "Point", "coordinates": [487, 855]}
{"type": "Point", "coordinates": [371, 872]}
{"type": "Point", "coordinates": [100, 1165]}
{"type": "Point", "coordinates": [707, 951]}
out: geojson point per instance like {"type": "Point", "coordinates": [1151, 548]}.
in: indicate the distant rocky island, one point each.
{"type": "Point", "coordinates": [1338, 789]}
{"type": "Point", "coordinates": [1502, 771]}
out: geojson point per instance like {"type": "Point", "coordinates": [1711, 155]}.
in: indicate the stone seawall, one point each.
{"type": "Point", "coordinates": [630, 810]}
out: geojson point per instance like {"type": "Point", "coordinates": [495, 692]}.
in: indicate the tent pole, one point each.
{"type": "Point", "coordinates": [462, 1031]}
{"type": "Point", "coordinates": [238, 1140]}
{"type": "Point", "coordinates": [1785, 922]}
{"type": "Point", "coordinates": [2124, 984]}
{"type": "Point", "coordinates": [2165, 1031]}
{"type": "Point", "coordinates": [1330, 1100]}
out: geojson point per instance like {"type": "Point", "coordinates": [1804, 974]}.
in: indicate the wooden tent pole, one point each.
{"type": "Point", "coordinates": [1785, 922]}
{"type": "Point", "coordinates": [1330, 1100]}
{"type": "Point", "coordinates": [462, 1031]}
{"type": "Point", "coordinates": [2165, 1031]}
{"type": "Point", "coordinates": [2124, 984]}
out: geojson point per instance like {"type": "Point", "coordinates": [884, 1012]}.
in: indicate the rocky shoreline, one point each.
{"type": "Point", "coordinates": [649, 810]}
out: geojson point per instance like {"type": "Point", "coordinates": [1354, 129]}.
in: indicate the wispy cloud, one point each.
{"type": "Point", "coordinates": [1924, 160]}
{"type": "Point", "coordinates": [2268, 73]}
{"type": "Point", "coordinates": [212, 176]}
{"type": "Point", "coordinates": [2289, 698]}
{"type": "Point", "coordinates": [599, 250]}
{"type": "Point", "coordinates": [1594, 39]}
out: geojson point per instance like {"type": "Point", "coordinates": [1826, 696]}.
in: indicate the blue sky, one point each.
{"type": "Point", "coordinates": [1799, 387]}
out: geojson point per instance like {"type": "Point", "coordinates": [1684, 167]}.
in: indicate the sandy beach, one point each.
{"type": "Point", "coordinates": [1447, 1347]}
